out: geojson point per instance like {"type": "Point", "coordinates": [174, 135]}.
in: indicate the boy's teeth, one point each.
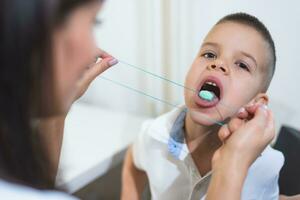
{"type": "Point", "coordinates": [211, 83]}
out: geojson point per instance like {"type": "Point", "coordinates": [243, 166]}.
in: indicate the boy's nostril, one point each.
{"type": "Point", "coordinates": [213, 66]}
{"type": "Point", "coordinates": [223, 69]}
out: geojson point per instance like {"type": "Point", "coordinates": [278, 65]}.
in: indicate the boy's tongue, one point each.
{"type": "Point", "coordinates": [207, 99]}
{"type": "Point", "coordinates": [207, 95]}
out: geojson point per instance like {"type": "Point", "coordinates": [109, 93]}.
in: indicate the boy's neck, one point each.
{"type": "Point", "coordinates": [196, 134]}
{"type": "Point", "coordinates": [202, 142]}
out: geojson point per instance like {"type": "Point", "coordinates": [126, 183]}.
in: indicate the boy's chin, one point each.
{"type": "Point", "coordinates": [204, 119]}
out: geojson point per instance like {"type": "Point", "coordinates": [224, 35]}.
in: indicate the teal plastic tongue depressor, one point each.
{"type": "Point", "coordinates": [206, 95]}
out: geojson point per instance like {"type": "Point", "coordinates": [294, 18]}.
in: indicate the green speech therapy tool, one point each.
{"type": "Point", "coordinates": [206, 95]}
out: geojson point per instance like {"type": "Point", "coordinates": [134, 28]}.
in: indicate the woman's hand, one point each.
{"type": "Point", "coordinates": [93, 71]}
{"type": "Point", "coordinates": [246, 135]}
{"type": "Point", "coordinates": [53, 128]}
{"type": "Point", "coordinates": [244, 138]}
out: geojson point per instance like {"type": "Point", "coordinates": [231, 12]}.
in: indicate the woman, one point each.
{"type": "Point", "coordinates": [46, 56]}
{"type": "Point", "coordinates": [47, 49]}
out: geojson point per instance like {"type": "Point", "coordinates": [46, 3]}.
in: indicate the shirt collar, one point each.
{"type": "Point", "coordinates": [160, 127]}
{"type": "Point", "coordinates": [176, 142]}
{"type": "Point", "coordinates": [169, 130]}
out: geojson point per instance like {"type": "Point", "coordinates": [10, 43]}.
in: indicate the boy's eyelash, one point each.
{"type": "Point", "coordinates": [209, 53]}
{"type": "Point", "coordinates": [245, 66]}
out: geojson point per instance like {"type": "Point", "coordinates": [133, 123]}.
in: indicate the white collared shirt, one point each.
{"type": "Point", "coordinates": [171, 170]}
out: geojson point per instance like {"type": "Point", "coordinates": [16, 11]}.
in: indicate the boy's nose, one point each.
{"type": "Point", "coordinates": [219, 67]}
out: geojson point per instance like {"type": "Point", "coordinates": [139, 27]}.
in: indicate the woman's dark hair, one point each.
{"type": "Point", "coordinates": [26, 28]}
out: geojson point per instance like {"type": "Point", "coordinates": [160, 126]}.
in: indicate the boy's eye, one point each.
{"type": "Point", "coordinates": [243, 66]}
{"type": "Point", "coordinates": [209, 55]}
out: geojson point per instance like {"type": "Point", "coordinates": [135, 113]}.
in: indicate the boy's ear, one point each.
{"type": "Point", "coordinates": [261, 98]}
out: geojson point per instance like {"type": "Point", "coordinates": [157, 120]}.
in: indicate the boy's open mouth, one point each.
{"type": "Point", "coordinates": [210, 92]}
{"type": "Point", "coordinates": [212, 88]}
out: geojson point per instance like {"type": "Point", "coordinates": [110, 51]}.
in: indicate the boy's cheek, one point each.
{"type": "Point", "coordinates": [239, 98]}
{"type": "Point", "coordinates": [199, 64]}
{"type": "Point", "coordinates": [192, 79]}
{"type": "Point", "coordinates": [193, 76]}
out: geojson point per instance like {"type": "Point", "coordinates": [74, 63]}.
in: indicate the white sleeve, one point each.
{"type": "Point", "coordinates": [262, 178]}
{"type": "Point", "coordinates": [272, 188]}
{"type": "Point", "coordinates": [139, 147]}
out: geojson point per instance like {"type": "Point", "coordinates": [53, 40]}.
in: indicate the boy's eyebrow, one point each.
{"type": "Point", "coordinates": [210, 44]}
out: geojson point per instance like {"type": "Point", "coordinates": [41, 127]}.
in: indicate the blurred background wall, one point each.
{"type": "Point", "coordinates": [163, 36]}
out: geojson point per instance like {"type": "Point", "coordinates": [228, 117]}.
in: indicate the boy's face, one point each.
{"type": "Point", "coordinates": [232, 63]}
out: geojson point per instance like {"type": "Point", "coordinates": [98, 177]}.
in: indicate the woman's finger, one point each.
{"type": "Point", "coordinates": [247, 113]}
{"type": "Point", "coordinates": [252, 108]}
{"type": "Point", "coordinates": [98, 68]}
{"type": "Point", "coordinates": [224, 133]}
{"type": "Point", "coordinates": [260, 119]}
{"type": "Point", "coordinates": [242, 113]}
{"type": "Point", "coordinates": [103, 62]}
{"type": "Point", "coordinates": [235, 124]}
{"type": "Point", "coordinates": [102, 54]}
{"type": "Point", "coordinates": [94, 70]}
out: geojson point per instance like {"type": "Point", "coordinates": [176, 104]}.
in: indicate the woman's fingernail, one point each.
{"type": "Point", "coordinates": [264, 106]}
{"type": "Point", "coordinates": [113, 62]}
{"type": "Point", "coordinates": [241, 110]}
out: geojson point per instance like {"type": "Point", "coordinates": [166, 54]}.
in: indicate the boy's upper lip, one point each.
{"type": "Point", "coordinates": [211, 79]}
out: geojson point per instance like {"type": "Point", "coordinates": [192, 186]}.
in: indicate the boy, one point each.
{"type": "Point", "coordinates": [234, 68]}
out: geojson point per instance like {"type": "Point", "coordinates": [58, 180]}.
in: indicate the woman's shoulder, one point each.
{"type": "Point", "coordinates": [11, 191]}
